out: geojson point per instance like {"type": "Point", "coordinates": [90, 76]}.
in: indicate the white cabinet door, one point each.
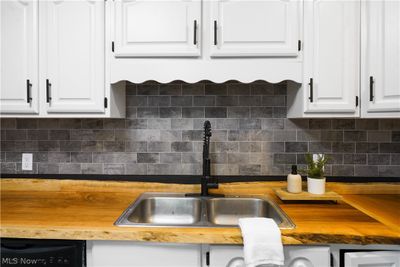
{"type": "Point", "coordinates": [74, 54]}
{"type": "Point", "coordinates": [141, 254]}
{"type": "Point", "coordinates": [373, 258]}
{"type": "Point", "coordinates": [19, 57]}
{"type": "Point", "coordinates": [381, 58]}
{"type": "Point", "coordinates": [146, 28]}
{"type": "Point", "coordinates": [331, 56]}
{"type": "Point", "coordinates": [254, 28]}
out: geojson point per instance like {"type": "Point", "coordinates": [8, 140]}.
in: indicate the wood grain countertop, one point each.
{"type": "Point", "coordinates": [86, 210]}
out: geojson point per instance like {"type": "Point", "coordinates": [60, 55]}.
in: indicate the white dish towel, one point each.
{"type": "Point", "coordinates": [262, 242]}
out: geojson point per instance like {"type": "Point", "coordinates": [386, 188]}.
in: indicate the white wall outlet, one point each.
{"type": "Point", "coordinates": [27, 161]}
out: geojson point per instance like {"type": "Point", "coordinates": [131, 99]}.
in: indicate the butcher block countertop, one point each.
{"type": "Point", "coordinates": [86, 210]}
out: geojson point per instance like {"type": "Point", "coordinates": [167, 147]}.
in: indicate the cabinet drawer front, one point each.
{"type": "Point", "coordinates": [254, 28]}
{"type": "Point", "coordinates": [19, 57]}
{"type": "Point", "coordinates": [157, 28]}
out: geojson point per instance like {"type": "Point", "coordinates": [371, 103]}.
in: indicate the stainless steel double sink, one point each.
{"type": "Point", "coordinates": [178, 210]}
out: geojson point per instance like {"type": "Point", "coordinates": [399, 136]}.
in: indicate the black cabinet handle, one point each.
{"type": "Point", "coordinates": [28, 91]}
{"type": "Point", "coordinates": [371, 88]}
{"type": "Point", "coordinates": [48, 87]}
{"type": "Point", "coordinates": [195, 32]}
{"type": "Point", "coordinates": [311, 97]}
{"type": "Point", "coordinates": [215, 32]}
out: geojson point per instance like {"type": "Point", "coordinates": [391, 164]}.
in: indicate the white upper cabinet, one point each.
{"type": "Point", "coordinates": [19, 57]}
{"type": "Point", "coordinates": [331, 57]}
{"type": "Point", "coordinates": [258, 28]}
{"type": "Point", "coordinates": [336, 33]}
{"type": "Point", "coordinates": [146, 28]}
{"type": "Point", "coordinates": [380, 79]}
{"type": "Point", "coordinates": [73, 46]}
{"type": "Point", "coordinates": [53, 60]}
{"type": "Point", "coordinates": [194, 40]}
{"type": "Point", "coordinates": [372, 258]}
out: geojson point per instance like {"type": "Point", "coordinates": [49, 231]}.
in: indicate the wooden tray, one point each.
{"type": "Point", "coordinates": [283, 194]}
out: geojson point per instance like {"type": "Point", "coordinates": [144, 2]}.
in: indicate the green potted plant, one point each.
{"type": "Point", "coordinates": [315, 173]}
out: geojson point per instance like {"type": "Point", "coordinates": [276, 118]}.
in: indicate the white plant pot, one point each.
{"type": "Point", "coordinates": [316, 186]}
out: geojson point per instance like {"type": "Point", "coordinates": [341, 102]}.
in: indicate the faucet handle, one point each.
{"type": "Point", "coordinates": [213, 184]}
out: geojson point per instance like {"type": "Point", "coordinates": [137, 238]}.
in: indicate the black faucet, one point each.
{"type": "Point", "coordinates": [206, 180]}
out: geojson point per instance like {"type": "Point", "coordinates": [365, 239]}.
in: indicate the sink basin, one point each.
{"type": "Point", "coordinates": [169, 210]}
{"type": "Point", "coordinates": [227, 211]}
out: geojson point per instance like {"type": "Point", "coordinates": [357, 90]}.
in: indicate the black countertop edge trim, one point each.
{"type": "Point", "coordinates": [191, 179]}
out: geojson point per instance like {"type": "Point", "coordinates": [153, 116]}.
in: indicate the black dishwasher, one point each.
{"type": "Point", "coordinates": [42, 253]}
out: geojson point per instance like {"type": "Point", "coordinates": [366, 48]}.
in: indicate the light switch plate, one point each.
{"type": "Point", "coordinates": [27, 161]}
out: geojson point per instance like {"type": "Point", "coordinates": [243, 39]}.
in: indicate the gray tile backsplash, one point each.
{"type": "Point", "coordinates": [162, 134]}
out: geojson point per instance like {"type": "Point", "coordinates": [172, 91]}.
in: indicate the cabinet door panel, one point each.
{"type": "Point", "coordinates": [254, 28]}
{"type": "Point", "coordinates": [373, 258]}
{"type": "Point", "coordinates": [146, 28]}
{"type": "Point", "coordinates": [19, 56]}
{"type": "Point", "coordinates": [332, 56]}
{"type": "Point", "coordinates": [75, 56]}
{"type": "Point", "coordinates": [141, 254]}
{"type": "Point", "coordinates": [381, 58]}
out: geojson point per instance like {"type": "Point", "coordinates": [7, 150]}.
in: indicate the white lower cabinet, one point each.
{"type": "Point", "coordinates": [149, 254]}
{"type": "Point", "coordinates": [295, 256]}
{"type": "Point", "coordinates": [140, 254]}
{"type": "Point", "coordinates": [344, 255]}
